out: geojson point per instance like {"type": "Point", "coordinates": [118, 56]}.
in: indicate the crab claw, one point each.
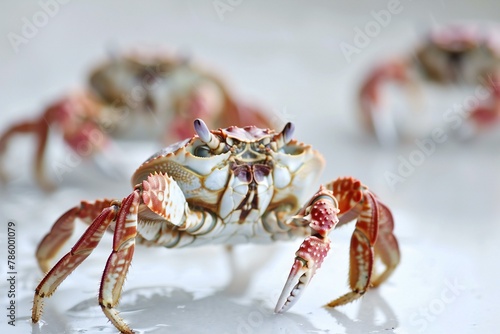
{"type": "Point", "coordinates": [308, 259]}
{"type": "Point", "coordinates": [321, 216]}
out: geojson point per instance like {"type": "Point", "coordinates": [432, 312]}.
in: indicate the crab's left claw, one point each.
{"type": "Point", "coordinates": [321, 214]}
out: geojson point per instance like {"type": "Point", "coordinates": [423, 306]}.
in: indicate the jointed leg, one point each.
{"type": "Point", "coordinates": [158, 191]}
{"type": "Point", "coordinates": [63, 229]}
{"type": "Point", "coordinates": [386, 247]}
{"type": "Point", "coordinates": [371, 98]}
{"type": "Point", "coordinates": [83, 247]}
{"type": "Point", "coordinates": [40, 128]}
{"type": "Point", "coordinates": [373, 229]}
{"type": "Point", "coordinates": [119, 260]}
{"type": "Point", "coordinates": [76, 116]}
{"type": "Point", "coordinates": [124, 215]}
{"type": "Point", "coordinates": [372, 237]}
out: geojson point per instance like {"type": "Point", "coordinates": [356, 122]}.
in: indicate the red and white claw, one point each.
{"type": "Point", "coordinates": [308, 259]}
{"type": "Point", "coordinates": [321, 214]}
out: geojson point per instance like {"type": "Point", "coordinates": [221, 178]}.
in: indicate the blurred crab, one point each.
{"type": "Point", "coordinates": [136, 95]}
{"type": "Point", "coordinates": [227, 186]}
{"type": "Point", "coordinates": [462, 55]}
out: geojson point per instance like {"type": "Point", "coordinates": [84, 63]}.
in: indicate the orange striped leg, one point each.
{"type": "Point", "coordinates": [355, 198]}
{"type": "Point", "coordinates": [63, 228]}
{"type": "Point", "coordinates": [119, 260]}
{"type": "Point", "coordinates": [386, 247]}
{"type": "Point", "coordinates": [83, 247]}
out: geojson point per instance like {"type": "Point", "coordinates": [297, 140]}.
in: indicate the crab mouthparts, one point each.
{"type": "Point", "coordinates": [250, 173]}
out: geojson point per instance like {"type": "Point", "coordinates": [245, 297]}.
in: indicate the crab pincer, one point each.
{"type": "Point", "coordinates": [321, 213]}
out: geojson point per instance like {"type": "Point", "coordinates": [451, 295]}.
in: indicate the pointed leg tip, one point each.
{"type": "Point", "coordinates": [36, 313]}
{"type": "Point", "coordinates": [336, 302]}
{"type": "Point", "coordinates": [345, 299]}
{"type": "Point", "coordinates": [330, 305]}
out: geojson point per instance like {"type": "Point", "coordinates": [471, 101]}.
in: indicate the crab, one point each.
{"type": "Point", "coordinates": [145, 95]}
{"type": "Point", "coordinates": [227, 186]}
{"type": "Point", "coordinates": [463, 55]}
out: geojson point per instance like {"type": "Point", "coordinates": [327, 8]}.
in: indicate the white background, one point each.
{"type": "Point", "coordinates": [284, 56]}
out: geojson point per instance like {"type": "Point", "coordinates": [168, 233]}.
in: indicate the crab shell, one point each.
{"type": "Point", "coordinates": [460, 53]}
{"type": "Point", "coordinates": [238, 173]}
{"type": "Point", "coordinates": [138, 88]}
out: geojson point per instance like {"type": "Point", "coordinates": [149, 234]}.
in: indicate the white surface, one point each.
{"type": "Point", "coordinates": [285, 56]}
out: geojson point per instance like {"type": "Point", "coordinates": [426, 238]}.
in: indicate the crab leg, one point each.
{"type": "Point", "coordinates": [386, 247]}
{"type": "Point", "coordinates": [119, 260]}
{"type": "Point", "coordinates": [63, 228]}
{"type": "Point", "coordinates": [40, 128]}
{"type": "Point", "coordinates": [321, 215]}
{"type": "Point", "coordinates": [76, 116]}
{"type": "Point", "coordinates": [355, 201]}
{"type": "Point", "coordinates": [83, 247]}
{"type": "Point", "coordinates": [377, 119]}
{"type": "Point", "coordinates": [370, 97]}
{"type": "Point", "coordinates": [372, 237]}
{"type": "Point", "coordinates": [124, 215]}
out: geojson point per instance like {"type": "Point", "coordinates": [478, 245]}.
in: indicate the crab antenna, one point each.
{"type": "Point", "coordinates": [205, 135]}
{"type": "Point", "coordinates": [285, 135]}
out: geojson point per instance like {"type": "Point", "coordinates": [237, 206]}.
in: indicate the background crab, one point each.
{"type": "Point", "coordinates": [227, 186]}
{"type": "Point", "coordinates": [137, 95]}
{"type": "Point", "coordinates": [453, 55]}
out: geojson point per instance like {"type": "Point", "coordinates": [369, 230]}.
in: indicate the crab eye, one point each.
{"type": "Point", "coordinates": [202, 151]}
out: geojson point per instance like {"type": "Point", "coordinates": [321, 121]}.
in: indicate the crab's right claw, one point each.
{"type": "Point", "coordinates": [308, 259]}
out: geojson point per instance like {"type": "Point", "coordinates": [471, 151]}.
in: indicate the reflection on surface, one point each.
{"type": "Point", "coordinates": [374, 315]}
{"type": "Point", "coordinates": [169, 310]}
